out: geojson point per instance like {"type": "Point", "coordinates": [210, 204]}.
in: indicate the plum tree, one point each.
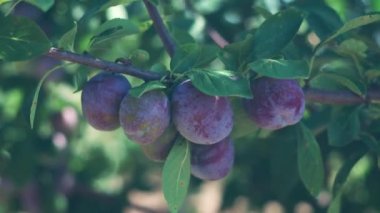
{"type": "Point", "coordinates": [276, 103]}
{"type": "Point", "coordinates": [145, 119]}
{"type": "Point", "coordinates": [159, 150]}
{"type": "Point", "coordinates": [201, 118]}
{"type": "Point", "coordinates": [101, 98]}
{"type": "Point", "coordinates": [212, 162]}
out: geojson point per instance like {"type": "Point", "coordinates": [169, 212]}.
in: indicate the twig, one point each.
{"type": "Point", "coordinates": [312, 95]}
{"type": "Point", "coordinates": [102, 64]}
{"type": "Point", "coordinates": [216, 37]}
{"type": "Point", "coordinates": [340, 97]}
{"type": "Point", "coordinates": [159, 25]}
{"type": "Point", "coordinates": [212, 33]}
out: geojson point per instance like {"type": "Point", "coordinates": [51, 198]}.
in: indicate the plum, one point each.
{"type": "Point", "coordinates": [159, 150]}
{"type": "Point", "coordinates": [212, 162]}
{"type": "Point", "coordinates": [276, 103]}
{"type": "Point", "coordinates": [145, 119]}
{"type": "Point", "coordinates": [101, 98]}
{"type": "Point", "coordinates": [201, 118]}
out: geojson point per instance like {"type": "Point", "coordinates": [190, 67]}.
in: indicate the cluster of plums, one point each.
{"type": "Point", "coordinates": [154, 120]}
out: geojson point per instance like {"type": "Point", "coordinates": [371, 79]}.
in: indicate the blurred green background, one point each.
{"type": "Point", "coordinates": [64, 165]}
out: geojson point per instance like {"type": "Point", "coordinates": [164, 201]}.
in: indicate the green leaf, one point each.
{"type": "Point", "coordinates": [352, 24]}
{"type": "Point", "coordinates": [276, 32]}
{"type": "Point", "coordinates": [335, 204]}
{"type": "Point", "coordinates": [146, 87]}
{"type": "Point", "coordinates": [236, 54]}
{"type": "Point", "coordinates": [283, 161]}
{"type": "Point", "coordinates": [192, 56]}
{"type": "Point", "coordinates": [344, 126]}
{"type": "Point", "coordinates": [310, 164]}
{"type": "Point", "coordinates": [44, 5]}
{"type": "Point", "coordinates": [262, 11]}
{"type": "Point", "coordinates": [80, 79]}
{"type": "Point", "coordinates": [181, 37]}
{"type": "Point", "coordinates": [345, 170]}
{"type": "Point", "coordinates": [372, 73]}
{"type": "Point", "coordinates": [4, 1]}
{"type": "Point", "coordinates": [176, 174]}
{"type": "Point", "coordinates": [21, 39]}
{"type": "Point", "coordinates": [113, 29]}
{"type": "Point", "coordinates": [353, 47]}
{"type": "Point", "coordinates": [322, 19]}
{"type": "Point", "coordinates": [159, 68]}
{"type": "Point", "coordinates": [284, 69]}
{"type": "Point", "coordinates": [67, 41]}
{"type": "Point", "coordinates": [220, 83]}
{"type": "Point", "coordinates": [33, 108]}
{"type": "Point", "coordinates": [354, 87]}
{"type": "Point", "coordinates": [100, 5]}
{"type": "Point", "coordinates": [372, 143]}
{"type": "Point", "coordinates": [139, 57]}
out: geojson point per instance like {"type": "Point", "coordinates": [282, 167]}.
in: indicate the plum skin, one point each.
{"type": "Point", "coordinates": [212, 162]}
{"type": "Point", "coordinates": [159, 150]}
{"type": "Point", "coordinates": [101, 98]}
{"type": "Point", "coordinates": [145, 119]}
{"type": "Point", "coordinates": [201, 118]}
{"type": "Point", "coordinates": [276, 103]}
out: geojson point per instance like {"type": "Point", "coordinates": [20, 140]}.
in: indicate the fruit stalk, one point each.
{"type": "Point", "coordinates": [159, 25]}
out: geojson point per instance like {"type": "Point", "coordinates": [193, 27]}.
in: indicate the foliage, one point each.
{"type": "Point", "coordinates": [62, 164]}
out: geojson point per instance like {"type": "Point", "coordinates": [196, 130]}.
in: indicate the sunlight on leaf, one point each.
{"type": "Point", "coordinates": [283, 69]}
{"type": "Point", "coordinates": [220, 82]}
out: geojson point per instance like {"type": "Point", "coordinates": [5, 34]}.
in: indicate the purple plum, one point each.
{"type": "Point", "coordinates": [201, 118]}
{"type": "Point", "coordinates": [101, 98]}
{"type": "Point", "coordinates": [212, 162]}
{"type": "Point", "coordinates": [276, 103]}
{"type": "Point", "coordinates": [159, 150]}
{"type": "Point", "coordinates": [145, 119]}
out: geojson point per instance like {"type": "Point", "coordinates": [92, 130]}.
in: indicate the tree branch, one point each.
{"type": "Point", "coordinates": [216, 37]}
{"type": "Point", "coordinates": [102, 64]}
{"type": "Point", "coordinates": [340, 97]}
{"type": "Point", "coordinates": [159, 25]}
{"type": "Point", "coordinates": [312, 95]}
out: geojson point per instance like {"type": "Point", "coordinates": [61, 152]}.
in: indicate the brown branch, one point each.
{"type": "Point", "coordinates": [340, 97]}
{"type": "Point", "coordinates": [212, 33]}
{"type": "Point", "coordinates": [216, 37]}
{"type": "Point", "coordinates": [311, 94]}
{"type": "Point", "coordinates": [159, 25]}
{"type": "Point", "coordinates": [102, 64]}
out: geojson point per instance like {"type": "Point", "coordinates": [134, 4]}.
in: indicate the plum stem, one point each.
{"type": "Point", "coordinates": [102, 64]}
{"type": "Point", "coordinates": [159, 25]}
